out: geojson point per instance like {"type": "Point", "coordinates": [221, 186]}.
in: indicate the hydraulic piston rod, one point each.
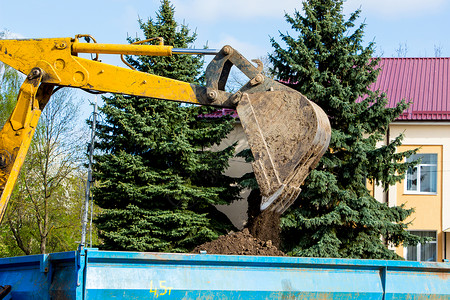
{"type": "Point", "coordinates": [195, 51]}
{"type": "Point", "coordinates": [137, 49]}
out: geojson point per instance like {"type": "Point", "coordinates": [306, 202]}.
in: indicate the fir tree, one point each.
{"type": "Point", "coordinates": [335, 215]}
{"type": "Point", "coordinates": [157, 180]}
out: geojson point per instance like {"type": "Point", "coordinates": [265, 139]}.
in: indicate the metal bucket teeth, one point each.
{"type": "Point", "coordinates": [288, 134]}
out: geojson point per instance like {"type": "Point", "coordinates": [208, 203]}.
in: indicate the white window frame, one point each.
{"type": "Point", "coordinates": [419, 246]}
{"type": "Point", "coordinates": [418, 192]}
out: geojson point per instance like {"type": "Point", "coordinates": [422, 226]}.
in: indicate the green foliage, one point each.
{"type": "Point", "coordinates": [158, 180]}
{"type": "Point", "coordinates": [335, 215]}
{"type": "Point", "coordinates": [171, 230]}
{"type": "Point", "coordinates": [43, 213]}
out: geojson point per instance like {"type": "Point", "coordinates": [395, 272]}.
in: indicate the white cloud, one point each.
{"type": "Point", "coordinates": [211, 10]}
{"type": "Point", "coordinates": [10, 35]}
{"type": "Point", "coordinates": [396, 8]}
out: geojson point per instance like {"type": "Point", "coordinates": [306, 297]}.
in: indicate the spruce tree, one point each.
{"type": "Point", "coordinates": [158, 181]}
{"type": "Point", "coordinates": [335, 215]}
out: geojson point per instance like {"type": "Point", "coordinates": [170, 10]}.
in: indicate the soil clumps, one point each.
{"type": "Point", "coordinates": [239, 243]}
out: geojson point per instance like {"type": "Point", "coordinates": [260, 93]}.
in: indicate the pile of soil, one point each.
{"type": "Point", "coordinates": [239, 243]}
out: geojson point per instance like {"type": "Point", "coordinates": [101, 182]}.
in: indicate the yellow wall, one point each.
{"type": "Point", "coordinates": [428, 208]}
{"type": "Point", "coordinates": [428, 135]}
{"type": "Point", "coordinates": [432, 211]}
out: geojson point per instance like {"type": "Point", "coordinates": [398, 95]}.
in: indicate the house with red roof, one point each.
{"type": "Point", "coordinates": [425, 82]}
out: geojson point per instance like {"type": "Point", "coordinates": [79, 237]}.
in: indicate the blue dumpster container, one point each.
{"type": "Point", "coordinates": [93, 274]}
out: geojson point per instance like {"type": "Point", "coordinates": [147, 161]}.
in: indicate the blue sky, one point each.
{"type": "Point", "coordinates": [420, 26]}
{"type": "Point", "coordinates": [245, 24]}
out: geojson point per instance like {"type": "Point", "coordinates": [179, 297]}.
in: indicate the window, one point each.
{"type": "Point", "coordinates": [422, 178]}
{"type": "Point", "coordinates": [423, 252]}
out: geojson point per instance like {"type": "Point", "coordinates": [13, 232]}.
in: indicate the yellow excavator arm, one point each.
{"type": "Point", "coordinates": [286, 132]}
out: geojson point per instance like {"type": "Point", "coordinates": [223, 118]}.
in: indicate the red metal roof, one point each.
{"type": "Point", "coordinates": [424, 81]}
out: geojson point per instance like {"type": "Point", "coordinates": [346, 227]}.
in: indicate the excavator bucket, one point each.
{"type": "Point", "coordinates": [287, 134]}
